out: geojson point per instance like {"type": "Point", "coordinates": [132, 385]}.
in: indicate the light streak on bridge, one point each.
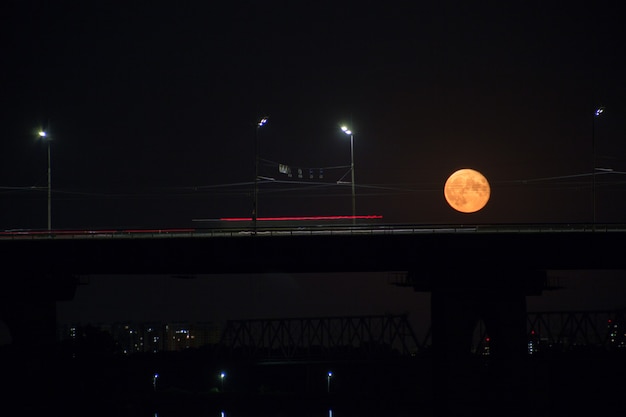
{"type": "Point", "coordinates": [224, 227]}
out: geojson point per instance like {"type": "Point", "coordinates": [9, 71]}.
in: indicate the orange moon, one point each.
{"type": "Point", "coordinates": [467, 190]}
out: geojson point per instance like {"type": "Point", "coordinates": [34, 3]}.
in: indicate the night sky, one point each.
{"type": "Point", "coordinates": [152, 109]}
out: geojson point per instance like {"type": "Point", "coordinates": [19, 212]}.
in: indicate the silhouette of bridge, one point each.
{"type": "Point", "coordinates": [473, 273]}
{"type": "Point", "coordinates": [315, 249]}
{"type": "Point", "coordinates": [319, 338]}
{"type": "Point", "coordinates": [353, 338]}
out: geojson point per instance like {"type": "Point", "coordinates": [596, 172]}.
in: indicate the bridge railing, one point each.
{"type": "Point", "coordinates": [306, 230]}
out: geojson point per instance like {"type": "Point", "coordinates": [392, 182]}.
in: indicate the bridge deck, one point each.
{"type": "Point", "coordinates": [234, 231]}
{"type": "Point", "coordinates": [316, 249]}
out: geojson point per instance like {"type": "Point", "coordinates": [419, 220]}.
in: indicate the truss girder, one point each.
{"type": "Point", "coordinates": [320, 336]}
{"type": "Point", "coordinates": [577, 328]}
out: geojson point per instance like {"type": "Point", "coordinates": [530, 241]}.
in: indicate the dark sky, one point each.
{"type": "Point", "coordinates": [152, 110]}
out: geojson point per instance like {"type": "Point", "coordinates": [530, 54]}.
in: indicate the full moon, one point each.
{"type": "Point", "coordinates": [467, 190]}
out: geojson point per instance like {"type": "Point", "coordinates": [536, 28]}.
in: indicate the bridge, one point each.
{"type": "Point", "coordinates": [319, 338]}
{"type": "Point", "coordinates": [349, 338]}
{"type": "Point", "coordinates": [315, 249]}
{"type": "Point", "coordinates": [473, 272]}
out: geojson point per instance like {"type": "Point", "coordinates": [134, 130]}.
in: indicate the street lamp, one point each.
{"type": "Point", "coordinates": [222, 376]}
{"type": "Point", "coordinates": [596, 114]}
{"type": "Point", "coordinates": [349, 132]}
{"type": "Point", "coordinates": [255, 199]}
{"type": "Point", "coordinates": [330, 374]}
{"type": "Point", "coordinates": [44, 136]}
{"type": "Point", "coordinates": [154, 381]}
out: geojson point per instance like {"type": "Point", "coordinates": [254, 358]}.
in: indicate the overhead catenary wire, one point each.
{"type": "Point", "coordinates": [300, 185]}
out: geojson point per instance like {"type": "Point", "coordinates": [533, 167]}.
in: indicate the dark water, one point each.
{"type": "Point", "coordinates": [272, 405]}
{"type": "Point", "coordinates": [303, 409]}
{"type": "Point", "coordinates": [302, 412]}
{"type": "Point", "coordinates": [246, 407]}
{"type": "Point", "coordinates": [548, 387]}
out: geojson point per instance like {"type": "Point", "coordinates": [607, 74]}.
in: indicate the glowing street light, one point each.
{"type": "Point", "coordinates": [154, 381]}
{"type": "Point", "coordinates": [255, 199]}
{"type": "Point", "coordinates": [349, 132]}
{"type": "Point", "coordinates": [596, 114]}
{"type": "Point", "coordinates": [330, 374]}
{"type": "Point", "coordinates": [222, 376]}
{"type": "Point", "coordinates": [44, 136]}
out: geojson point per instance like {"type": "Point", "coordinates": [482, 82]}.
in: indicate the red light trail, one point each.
{"type": "Point", "coordinates": [302, 218]}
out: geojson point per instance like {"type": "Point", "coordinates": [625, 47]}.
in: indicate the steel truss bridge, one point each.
{"type": "Point", "coordinates": [391, 336]}
{"type": "Point", "coordinates": [320, 338]}
{"type": "Point", "coordinates": [596, 328]}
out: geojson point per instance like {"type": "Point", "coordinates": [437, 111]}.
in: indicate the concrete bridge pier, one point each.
{"type": "Point", "coordinates": [28, 308]}
{"type": "Point", "coordinates": [466, 383]}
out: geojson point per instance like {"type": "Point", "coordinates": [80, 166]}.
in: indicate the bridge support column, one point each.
{"type": "Point", "coordinates": [466, 382]}
{"type": "Point", "coordinates": [28, 360]}
{"type": "Point", "coordinates": [28, 308]}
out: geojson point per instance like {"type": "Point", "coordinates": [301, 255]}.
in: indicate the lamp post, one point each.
{"type": "Point", "coordinates": [349, 132]}
{"type": "Point", "coordinates": [330, 374]}
{"type": "Point", "coordinates": [44, 136]}
{"type": "Point", "coordinates": [596, 114]}
{"type": "Point", "coordinates": [255, 198]}
{"type": "Point", "coordinates": [222, 376]}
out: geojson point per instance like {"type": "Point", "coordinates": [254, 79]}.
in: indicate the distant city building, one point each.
{"type": "Point", "coordinates": [617, 333]}
{"type": "Point", "coordinates": [152, 337]}
{"type": "Point", "coordinates": [184, 335]}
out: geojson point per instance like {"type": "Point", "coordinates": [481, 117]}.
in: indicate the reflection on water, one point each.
{"type": "Point", "coordinates": [328, 413]}
{"type": "Point", "coordinates": [303, 412]}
